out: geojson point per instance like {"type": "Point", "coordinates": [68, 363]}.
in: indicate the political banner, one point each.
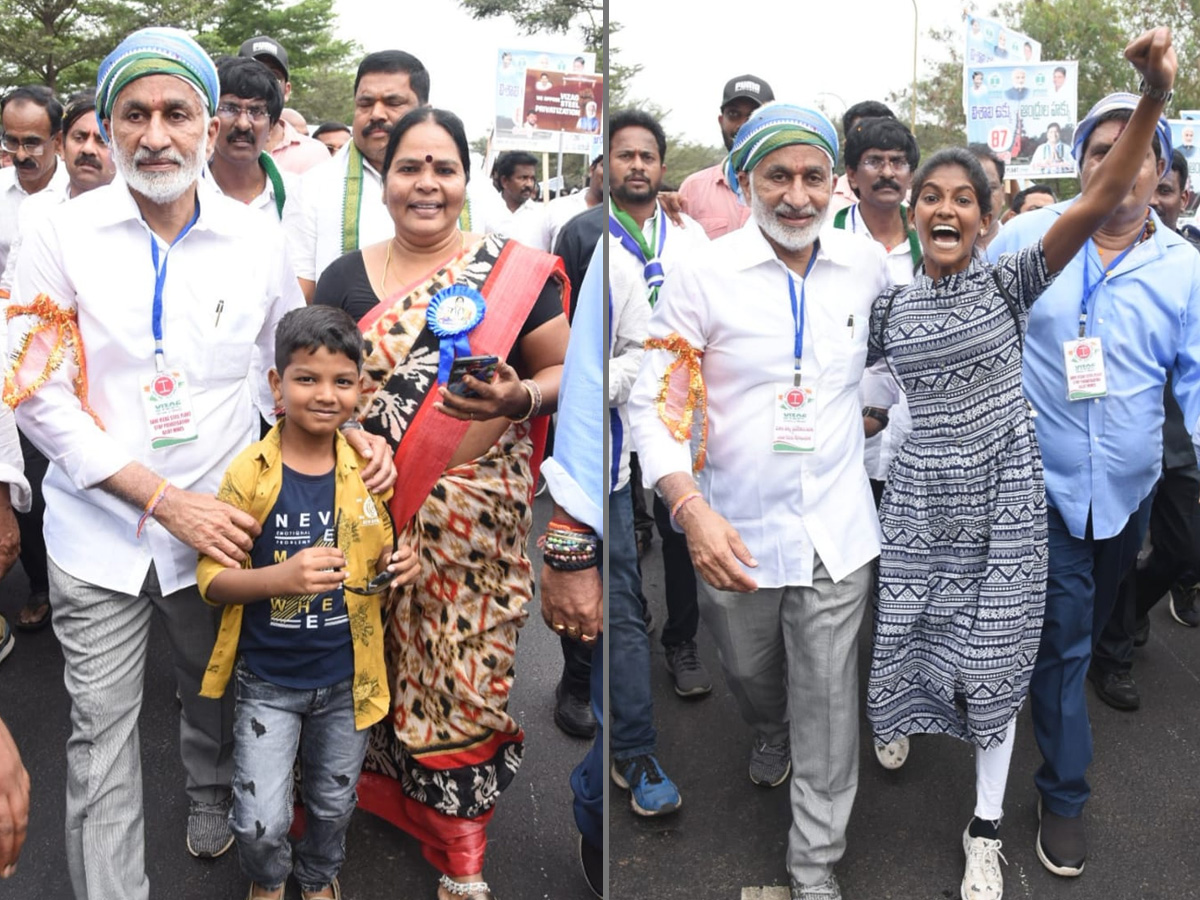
{"type": "Point", "coordinates": [1027, 115]}
{"type": "Point", "coordinates": [539, 95]}
{"type": "Point", "coordinates": [1183, 138]}
{"type": "Point", "coordinates": [991, 41]}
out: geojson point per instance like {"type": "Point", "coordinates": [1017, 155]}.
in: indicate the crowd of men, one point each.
{"type": "Point", "coordinates": [729, 522]}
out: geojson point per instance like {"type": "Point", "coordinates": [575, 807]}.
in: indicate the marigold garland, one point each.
{"type": "Point", "coordinates": [695, 400]}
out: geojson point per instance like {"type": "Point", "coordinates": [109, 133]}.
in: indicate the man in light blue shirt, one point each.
{"type": "Point", "coordinates": [1136, 287]}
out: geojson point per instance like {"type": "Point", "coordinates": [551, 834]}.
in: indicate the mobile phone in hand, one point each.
{"type": "Point", "coordinates": [482, 368]}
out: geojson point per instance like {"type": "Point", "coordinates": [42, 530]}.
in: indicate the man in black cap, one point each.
{"type": "Point", "coordinates": [291, 151]}
{"type": "Point", "coordinates": [708, 199]}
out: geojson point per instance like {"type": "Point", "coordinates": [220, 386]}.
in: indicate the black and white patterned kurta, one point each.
{"type": "Point", "coordinates": [962, 574]}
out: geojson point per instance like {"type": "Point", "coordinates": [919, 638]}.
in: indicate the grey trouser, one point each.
{"type": "Point", "coordinates": [791, 659]}
{"type": "Point", "coordinates": [104, 636]}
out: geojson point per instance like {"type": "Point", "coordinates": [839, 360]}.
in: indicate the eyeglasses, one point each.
{"type": "Point", "coordinates": [899, 164]}
{"type": "Point", "coordinates": [33, 146]}
{"type": "Point", "coordinates": [233, 112]}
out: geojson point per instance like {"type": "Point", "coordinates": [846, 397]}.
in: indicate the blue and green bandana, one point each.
{"type": "Point", "coordinates": [776, 125]}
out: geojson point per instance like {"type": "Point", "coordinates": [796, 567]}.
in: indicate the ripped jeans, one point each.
{"type": "Point", "coordinates": [270, 723]}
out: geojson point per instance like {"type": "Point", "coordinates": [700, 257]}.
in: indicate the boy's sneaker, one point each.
{"type": "Point", "coordinates": [690, 677]}
{"type": "Point", "coordinates": [770, 764]}
{"type": "Point", "coordinates": [1183, 606]}
{"type": "Point", "coordinates": [7, 640]}
{"type": "Point", "coordinates": [982, 879]}
{"type": "Point", "coordinates": [651, 792]}
{"type": "Point", "coordinates": [826, 890]}
{"type": "Point", "coordinates": [208, 834]}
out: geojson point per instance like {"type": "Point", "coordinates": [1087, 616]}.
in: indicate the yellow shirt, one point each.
{"type": "Point", "coordinates": [252, 484]}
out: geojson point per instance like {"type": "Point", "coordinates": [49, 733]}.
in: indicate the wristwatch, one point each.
{"type": "Point", "coordinates": [1155, 93]}
{"type": "Point", "coordinates": [874, 412]}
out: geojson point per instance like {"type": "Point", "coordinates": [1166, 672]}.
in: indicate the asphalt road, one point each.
{"type": "Point", "coordinates": [728, 841]}
{"type": "Point", "coordinates": [532, 851]}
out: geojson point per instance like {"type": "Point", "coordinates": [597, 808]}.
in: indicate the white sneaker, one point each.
{"type": "Point", "coordinates": [893, 755]}
{"type": "Point", "coordinates": [982, 879]}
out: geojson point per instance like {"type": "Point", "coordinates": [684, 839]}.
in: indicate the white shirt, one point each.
{"type": "Point", "coordinates": [93, 254]}
{"type": "Point", "coordinates": [732, 303]}
{"type": "Point", "coordinates": [13, 196]}
{"type": "Point", "coordinates": [12, 462]}
{"type": "Point", "coordinates": [562, 210]}
{"type": "Point", "coordinates": [879, 387]}
{"type": "Point", "coordinates": [314, 223]}
{"type": "Point", "coordinates": [629, 319]}
{"type": "Point", "coordinates": [35, 209]}
{"type": "Point", "coordinates": [527, 224]}
{"type": "Point", "coordinates": [678, 247]}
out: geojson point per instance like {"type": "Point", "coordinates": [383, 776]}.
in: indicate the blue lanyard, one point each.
{"type": "Point", "coordinates": [160, 279]}
{"type": "Point", "coordinates": [798, 315]}
{"type": "Point", "coordinates": [1090, 289]}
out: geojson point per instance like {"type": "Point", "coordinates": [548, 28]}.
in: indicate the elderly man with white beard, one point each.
{"type": "Point", "coordinates": [136, 382]}
{"type": "Point", "coordinates": [756, 350]}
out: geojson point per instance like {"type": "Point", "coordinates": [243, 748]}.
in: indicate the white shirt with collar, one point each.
{"type": "Point", "coordinates": [228, 283]}
{"type": "Point", "coordinates": [314, 223]}
{"type": "Point", "coordinates": [31, 214]}
{"type": "Point", "coordinates": [527, 224]}
{"type": "Point", "coordinates": [680, 245]}
{"type": "Point", "coordinates": [879, 387]}
{"type": "Point", "coordinates": [13, 197]}
{"type": "Point", "coordinates": [732, 303]}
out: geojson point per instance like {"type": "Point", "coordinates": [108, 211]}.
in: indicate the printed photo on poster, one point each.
{"type": "Point", "coordinates": [520, 125]}
{"type": "Point", "coordinates": [991, 41]}
{"type": "Point", "coordinates": [1184, 133]}
{"type": "Point", "coordinates": [1027, 115]}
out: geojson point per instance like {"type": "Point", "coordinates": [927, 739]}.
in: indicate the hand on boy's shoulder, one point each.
{"type": "Point", "coordinates": [379, 470]}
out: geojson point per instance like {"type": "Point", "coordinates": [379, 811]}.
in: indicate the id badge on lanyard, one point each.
{"type": "Point", "coordinates": [166, 400]}
{"type": "Point", "coordinates": [795, 404]}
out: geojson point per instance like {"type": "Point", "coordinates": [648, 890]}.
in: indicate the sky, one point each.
{"type": "Point", "coordinates": [458, 51]}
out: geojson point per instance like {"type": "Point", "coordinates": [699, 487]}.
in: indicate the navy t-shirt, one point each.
{"type": "Point", "coordinates": [298, 641]}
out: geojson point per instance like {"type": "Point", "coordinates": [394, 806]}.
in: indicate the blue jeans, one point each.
{"type": "Point", "coordinates": [269, 724]}
{"type": "Point", "coordinates": [1081, 590]}
{"type": "Point", "coordinates": [629, 700]}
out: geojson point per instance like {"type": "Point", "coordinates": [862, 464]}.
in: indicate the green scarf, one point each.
{"type": "Point", "coordinates": [635, 231]}
{"type": "Point", "coordinates": [352, 199]}
{"type": "Point", "coordinates": [268, 165]}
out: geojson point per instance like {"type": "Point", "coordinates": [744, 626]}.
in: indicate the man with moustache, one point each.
{"type": "Point", "coordinates": [340, 205]}
{"type": "Point", "coordinates": [88, 165]}
{"type": "Point", "coordinates": [32, 122]}
{"type": "Point", "coordinates": [249, 106]}
{"type": "Point", "coordinates": [706, 196]}
{"type": "Point", "coordinates": [784, 540]}
{"type": "Point", "coordinates": [881, 157]}
{"type": "Point", "coordinates": [1134, 293]}
{"type": "Point", "coordinates": [515, 180]}
{"type": "Point", "coordinates": [168, 287]}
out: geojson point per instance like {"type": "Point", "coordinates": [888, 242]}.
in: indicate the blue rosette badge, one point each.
{"type": "Point", "coordinates": [453, 312]}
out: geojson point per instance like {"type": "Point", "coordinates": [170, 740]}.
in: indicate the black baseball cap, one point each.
{"type": "Point", "coordinates": [263, 46]}
{"type": "Point", "coordinates": [751, 87]}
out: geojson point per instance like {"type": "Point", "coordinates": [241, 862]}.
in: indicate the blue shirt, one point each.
{"type": "Point", "coordinates": [576, 475]}
{"type": "Point", "coordinates": [298, 642]}
{"type": "Point", "coordinates": [1103, 456]}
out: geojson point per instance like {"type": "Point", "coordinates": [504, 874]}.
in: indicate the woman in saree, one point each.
{"type": "Point", "coordinates": [467, 467]}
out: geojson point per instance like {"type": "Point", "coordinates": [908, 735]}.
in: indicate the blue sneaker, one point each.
{"type": "Point", "coordinates": [7, 640]}
{"type": "Point", "coordinates": [651, 792]}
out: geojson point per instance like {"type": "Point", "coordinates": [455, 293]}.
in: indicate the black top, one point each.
{"type": "Point", "coordinates": [345, 284]}
{"type": "Point", "coordinates": [577, 241]}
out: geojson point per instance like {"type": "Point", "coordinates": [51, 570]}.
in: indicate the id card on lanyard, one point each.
{"type": "Point", "coordinates": [795, 404]}
{"type": "Point", "coordinates": [1083, 356]}
{"type": "Point", "coordinates": [166, 400]}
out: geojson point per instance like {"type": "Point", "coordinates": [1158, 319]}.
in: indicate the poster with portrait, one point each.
{"type": "Point", "coordinates": [1184, 135]}
{"type": "Point", "coordinates": [990, 41]}
{"type": "Point", "coordinates": [518, 124]}
{"type": "Point", "coordinates": [1027, 115]}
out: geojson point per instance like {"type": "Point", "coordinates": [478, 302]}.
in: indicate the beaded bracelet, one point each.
{"type": "Point", "coordinates": [151, 505]}
{"type": "Point", "coordinates": [569, 549]}
{"type": "Point", "coordinates": [682, 502]}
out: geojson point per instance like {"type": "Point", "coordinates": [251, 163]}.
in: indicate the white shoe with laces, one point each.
{"type": "Point", "coordinates": [982, 879]}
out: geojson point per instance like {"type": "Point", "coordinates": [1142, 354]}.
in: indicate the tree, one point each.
{"type": "Point", "coordinates": [548, 16]}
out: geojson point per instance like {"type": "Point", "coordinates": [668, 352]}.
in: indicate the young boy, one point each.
{"type": "Point", "coordinates": [302, 617]}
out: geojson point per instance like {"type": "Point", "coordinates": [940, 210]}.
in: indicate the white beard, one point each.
{"type": "Point", "coordinates": [159, 187]}
{"type": "Point", "coordinates": [786, 236]}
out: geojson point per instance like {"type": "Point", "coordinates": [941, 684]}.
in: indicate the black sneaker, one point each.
{"type": "Point", "coordinates": [592, 860]}
{"type": "Point", "coordinates": [1183, 606]}
{"type": "Point", "coordinates": [1061, 843]}
{"type": "Point", "coordinates": [687, 671]}
{"type": "Point", "coordinates": [1117, 689]}
{"type": "Point", "coordinates": [573, 715]}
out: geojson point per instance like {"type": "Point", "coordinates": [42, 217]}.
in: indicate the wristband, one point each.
{"type": "Point", "coordinates": [151, 505]}
{"type": "Point", "coordinates": [682, 502]}
{"type": "Point", "coordinates": [569, 549]}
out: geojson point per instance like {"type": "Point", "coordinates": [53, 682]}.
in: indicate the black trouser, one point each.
{"type": "Point", "coordinates": [1174, 556]}
{"type": "Point", "coordinates": [33, 543]}
{"type": "Point", "coordinates": [577, 667]}
{"type": "Point", "coordinates": [643, 522]}
{"type": "Point", "coordinates": [679, 581]}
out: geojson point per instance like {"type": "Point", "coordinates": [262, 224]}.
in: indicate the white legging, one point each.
{"type": "Point", "coordinates": [991, 776]}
